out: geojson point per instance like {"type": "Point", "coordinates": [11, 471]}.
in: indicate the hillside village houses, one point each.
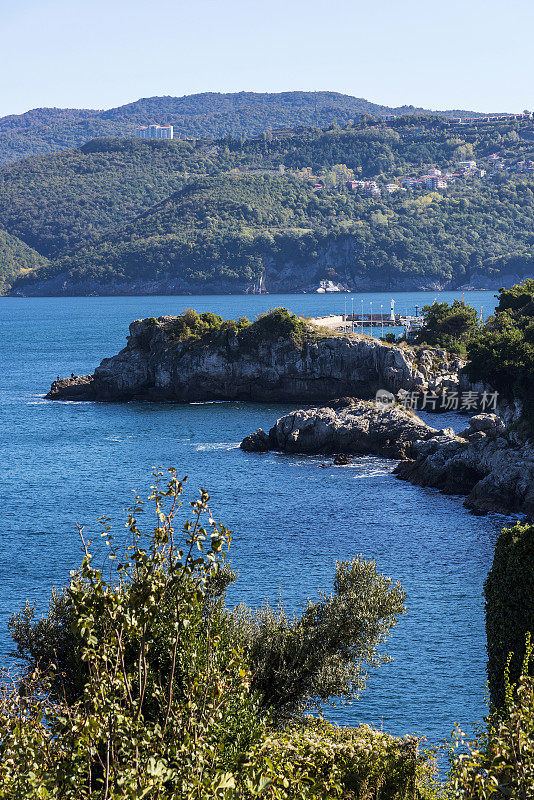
{"type": "Point", "coordinates": [369, 187]}
{"type": "Point", "coordinates": [434, 179]}
{"type": "Point", "coordinates": [523, 166]}
{"type": "Point", "coordinates": [501, 164]}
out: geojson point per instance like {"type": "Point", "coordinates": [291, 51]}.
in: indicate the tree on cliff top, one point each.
{"type": "Point", "coordinates": [448, 326]}
{"type": "Point", "coordinates": [502, 352]}
{"type": "Point", "coordinates": [278, 323]}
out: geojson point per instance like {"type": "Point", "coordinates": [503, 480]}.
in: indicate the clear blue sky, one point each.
{"type": "Point", "coordinates": [474, 54]}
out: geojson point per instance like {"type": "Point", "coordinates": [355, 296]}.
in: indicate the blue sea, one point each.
{"type": "Point", "coordinates": [67, 463]}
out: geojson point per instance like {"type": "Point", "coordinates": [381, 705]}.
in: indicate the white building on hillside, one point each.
{"type": "Point", "coordinates": [155, 132]}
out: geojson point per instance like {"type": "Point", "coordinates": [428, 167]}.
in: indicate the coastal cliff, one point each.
{"type": "Point", "coordinates": [277, 358]}
{"type": "Point", "coordinates": [331, 261]}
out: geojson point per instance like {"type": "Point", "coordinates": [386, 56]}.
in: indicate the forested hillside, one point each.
{"type": "Point", "coordinates": [16, 259]}
{"type": "Point", "coordinates": [123, 215]}
{"type": "Point", "coordinates": [56, 202]}
{"type": "Point", "coordinates": [237, 228]}
{"type": "Point", "coordinates": [212, 115]}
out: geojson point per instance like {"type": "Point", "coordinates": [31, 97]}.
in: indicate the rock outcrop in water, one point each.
{"type": "Point", "coordinates": [240, 364]}
{"type": "Point", "coordinates": [350, 426]}
{"type": "Point", "coordinates": [491, 461]}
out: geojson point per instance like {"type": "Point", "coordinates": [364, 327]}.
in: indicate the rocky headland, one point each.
{"type": "Point", "coordinates": [349, 426]}
{"type": "Point", "coordinates": [281, 358]}
{"type": "Point", "coordinates": [258, 362]}
{"type": "Point", "coordinates": [491, 461]}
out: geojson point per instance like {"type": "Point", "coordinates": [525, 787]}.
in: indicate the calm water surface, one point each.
{"type": "Point", "coordinates": [71, 462]}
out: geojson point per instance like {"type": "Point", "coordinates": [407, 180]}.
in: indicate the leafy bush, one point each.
{"type": "Point", "coordinates": [509, 593]}
{"type": "Point", "coordinates": [50, 640]}
{"type": "Point", "coordinates": [209, 328]}
{"type": "Point", "coordinates": [279, 323]}
{"type": "Point", "coordinates": [499, 765]}
{"type": "Point", "coordinates": [448, 326]}
{"type": "Point", "coordinates": [143, 684]}
{"type": "Point", "coordinates": [518, 300]}
{"type": "Point", "coordinates": [161, 710]}
{"type": "Point", "coordinates": [191, 325]}
{"type": "Point", "coordinates": [359, 763]}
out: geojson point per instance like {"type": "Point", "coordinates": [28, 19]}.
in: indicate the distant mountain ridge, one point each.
{"type": "Point", "coordinates": [209, 114]}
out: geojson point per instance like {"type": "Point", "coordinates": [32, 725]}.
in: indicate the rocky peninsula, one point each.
{"type": "Point", "coordinates": [349, 426]}
{"type": "Point", "coordinates": [278, 358]}
{"type": "Point", "coordinates": [283, 358]}
{"type": "Point", "coordinates": [491, 461]}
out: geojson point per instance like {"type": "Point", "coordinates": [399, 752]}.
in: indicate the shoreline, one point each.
{"type": "Point", "coordinates": [244, 292]}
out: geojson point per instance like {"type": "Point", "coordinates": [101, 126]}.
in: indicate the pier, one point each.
{"type": "Point", "coordinates": [406, 323]}
{"type": "Point", "coordinates": [354, 323]}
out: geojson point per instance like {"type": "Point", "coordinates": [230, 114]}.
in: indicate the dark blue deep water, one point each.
{"type": "Point", "coordinates": [71, 462]}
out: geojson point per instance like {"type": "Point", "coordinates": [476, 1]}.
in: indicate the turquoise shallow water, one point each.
{"type": "Point", "coordinates": [70, 462]}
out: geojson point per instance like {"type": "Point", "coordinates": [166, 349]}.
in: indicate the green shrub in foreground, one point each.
{"type": "Point", "coordinates": [509, 592]}
{"type": "Point", "coordinates": [361, 762]}
{"type": "Point", "coordinates": [168, 709]}
{"type": "Point", "coordinates": [500, 764]}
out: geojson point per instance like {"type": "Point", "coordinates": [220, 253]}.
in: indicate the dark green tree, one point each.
{"type": "Point", "coordinates": [509, 594]}
{"type": "Point", "coordinates": [502, 352]}
{"type": "Point", "coordinates": [448, 326]}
